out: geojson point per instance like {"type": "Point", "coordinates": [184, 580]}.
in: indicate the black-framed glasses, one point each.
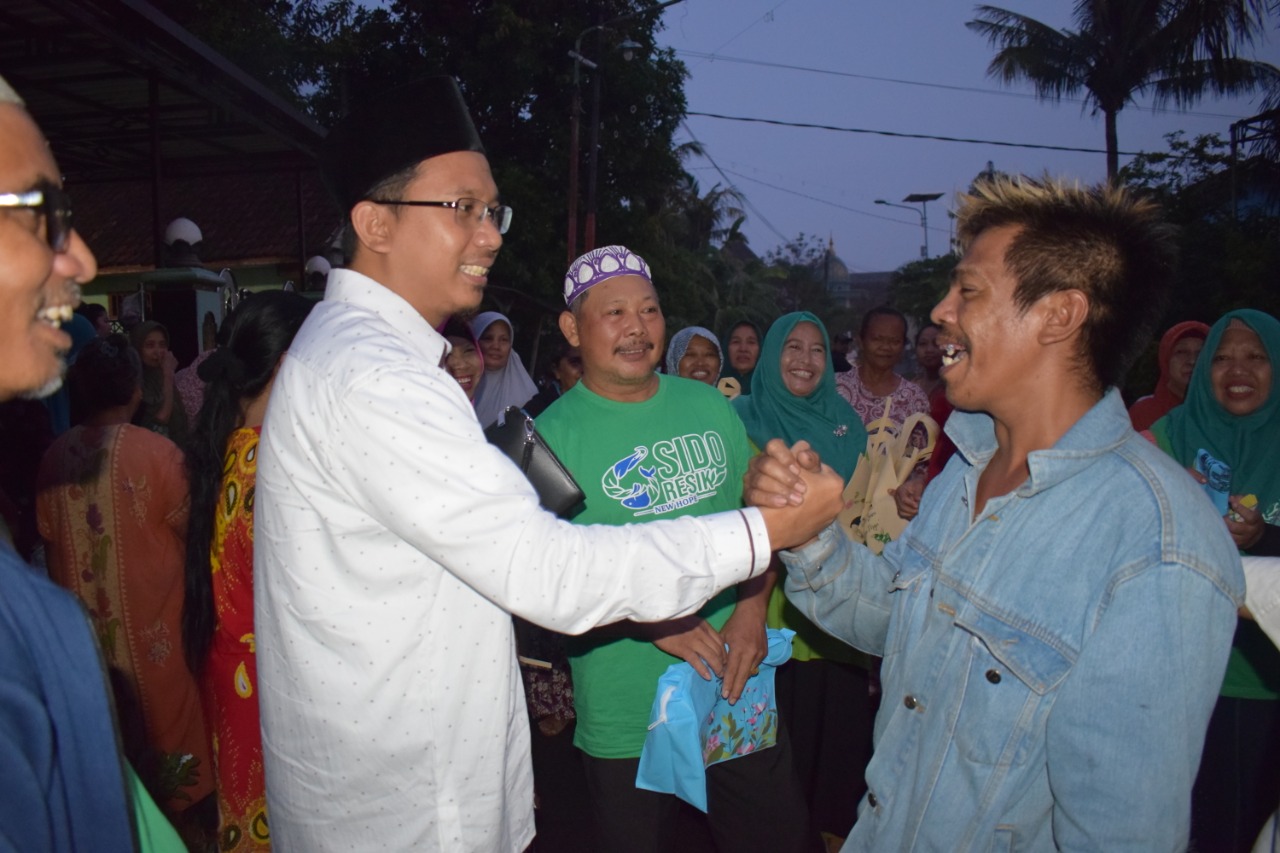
{"type": "Point", "coordinates": [468, 212]}
{"type": "Point", "coordinates": [51, 202]}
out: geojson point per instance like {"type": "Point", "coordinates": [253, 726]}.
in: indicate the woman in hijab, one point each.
{"type": "Point", "coordinates": [217, 614]}
{"type": "Point", "coordinates": [1179, 349]}
{"type": "Point", "coordinates": [793, 396]}
{"type": "Point", "coordinates": [824, 691]}
{"type": "Point", "coordinates": [1232, 412]}
{"type": "Point", "coordinates": [743, 350]}
{"type": "Point", "coordinates": [161, 410]}
{"type": "Point", "coordinates": [694, 353]}
{"type": "Point", "coordinates": [506, 382]}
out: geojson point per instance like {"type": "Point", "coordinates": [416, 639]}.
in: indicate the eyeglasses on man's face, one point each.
{"type": "Point", "coordinates": [50, 202]}
{"type": "Point", "coordinates": [467, 212]}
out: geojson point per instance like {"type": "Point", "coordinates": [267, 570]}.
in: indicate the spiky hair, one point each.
{"type": "Point", "coordinates": [1105, 241]}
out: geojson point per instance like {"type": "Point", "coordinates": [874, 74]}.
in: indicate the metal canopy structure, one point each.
{"type": "Point", "coordinates": [121, 91]}
{"type": "Point", "coordinates": [1255, 129]}
{"type": "Point", "coordinates": [149, 123]}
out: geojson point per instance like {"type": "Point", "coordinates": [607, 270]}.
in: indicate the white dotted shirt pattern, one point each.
{"type": "Point", "coordinates": [391, 541]}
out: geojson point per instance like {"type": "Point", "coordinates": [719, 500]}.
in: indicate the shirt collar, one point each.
{"type": "Point", "coordinates": [1099, 431]}
{"type": "Point", "coordinates": [353, 288]}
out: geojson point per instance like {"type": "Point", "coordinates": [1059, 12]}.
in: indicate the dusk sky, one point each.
{"type": "Point", "coordinates": [843, 58]}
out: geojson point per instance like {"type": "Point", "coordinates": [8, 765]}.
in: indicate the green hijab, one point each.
{"type": "Point", "coordinates": [1250, 443]}
{"type": "Point", "coordinates": [824, 418]}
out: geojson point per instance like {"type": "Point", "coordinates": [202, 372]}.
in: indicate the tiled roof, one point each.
{"type": "Point", "coordinates": [261, 218]}
{"type": "Point", "coordinates": [125, 96]}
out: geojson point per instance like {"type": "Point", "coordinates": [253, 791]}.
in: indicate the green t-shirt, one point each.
{"type": "Point", "coordinates": [1253, 669]}
{"type": "Point", "coordinates": [155, 833]}
{"type": "Point", "coordinates": [681, 452]}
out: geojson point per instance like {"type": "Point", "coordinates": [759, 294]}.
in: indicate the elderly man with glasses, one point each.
{"type": "Point", "coordinates": [63, 782]}
{"type": "Point", "coordinates": [392, 541]}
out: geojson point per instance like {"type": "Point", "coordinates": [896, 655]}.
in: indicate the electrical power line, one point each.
{"type": "Point", "coordinates": [715, 57]}
{"type": "Point", "coordinates": [829, 203]}
{"type": "Point", "coordinates": [745, 201]}
{"type": "Point", "coordinates": [765, 18]}
{"type": "Point", "coordinates": [903, 135]}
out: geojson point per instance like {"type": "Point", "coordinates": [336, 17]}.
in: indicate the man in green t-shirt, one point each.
{"type": "Point", "coordinates": [644, 447]}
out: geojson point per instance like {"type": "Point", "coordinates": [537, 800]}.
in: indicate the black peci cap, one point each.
{"type": "Point", "coordinates": [393, 130]}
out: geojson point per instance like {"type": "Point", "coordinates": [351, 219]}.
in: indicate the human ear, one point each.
{"type": "Point", "coordinates": [372, 227]}
{"type": "Point", "coordinates": [569, 328]}
{"type": "Point", "coordinates": [1065, 312]}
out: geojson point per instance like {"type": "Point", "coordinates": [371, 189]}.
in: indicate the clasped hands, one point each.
{"type": "Point", "coordinates": [734, 653]}
{"type": "Point", "coordinates": [798, 497]}
{"type": "Point", "coordinates": [797, 493]}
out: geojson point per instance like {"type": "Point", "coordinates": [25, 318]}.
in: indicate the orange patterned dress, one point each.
{"type": "Point", "coordinates": [230, 680]}
{"type": "Point", "coordinates": [112, 505]}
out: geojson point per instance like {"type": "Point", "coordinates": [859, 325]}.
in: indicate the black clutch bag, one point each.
{"type": "Point", "coordinates": [513, 433]}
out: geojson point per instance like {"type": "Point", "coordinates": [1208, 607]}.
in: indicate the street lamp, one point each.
{"type": "Point", "coordinates": [628, 48]}
{"type": "Point", "coordinates": [923, 200]}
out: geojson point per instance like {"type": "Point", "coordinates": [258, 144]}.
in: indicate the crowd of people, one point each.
{"type": "Point", "coordinates": [292, 597]}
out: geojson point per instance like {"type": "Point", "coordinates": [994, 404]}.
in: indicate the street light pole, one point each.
{"type": "Point", "coordinates": [589, 227]}
{"type": "Point", "coordinates": [575, 120]}
{"type": "Point", "coordinates": [923, 200]}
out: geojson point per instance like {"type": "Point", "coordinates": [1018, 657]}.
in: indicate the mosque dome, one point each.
{"type": "Point", "coordinates": [830, 267]}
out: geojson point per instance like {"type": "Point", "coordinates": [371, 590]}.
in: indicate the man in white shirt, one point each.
{"type": "Point", "coordinates": [393, 541]}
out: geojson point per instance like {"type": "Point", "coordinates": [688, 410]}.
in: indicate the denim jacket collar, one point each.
{"type": "Point", "coordinates": [1101, 429]}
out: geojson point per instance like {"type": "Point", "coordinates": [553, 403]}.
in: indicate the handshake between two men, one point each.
{"type": "Point", "coordinates": [780, 479]}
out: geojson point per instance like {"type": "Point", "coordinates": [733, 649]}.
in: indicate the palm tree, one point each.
{"type": "Point", "coordinates": [1175, 49]}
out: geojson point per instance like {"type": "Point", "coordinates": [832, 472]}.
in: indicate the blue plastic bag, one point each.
{"type": "Point", "coordinates": [691, 727]}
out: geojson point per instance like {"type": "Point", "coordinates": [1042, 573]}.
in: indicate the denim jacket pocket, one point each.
{"type": "Point", "coordinates": [909, 581]}
{"type": "Point", "coordinates": [1009, 685]}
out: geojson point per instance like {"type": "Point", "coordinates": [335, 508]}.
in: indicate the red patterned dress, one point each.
{"type": "Point", "coordinates": [230, 680]}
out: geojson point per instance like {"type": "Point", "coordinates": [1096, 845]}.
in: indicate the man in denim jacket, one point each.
{"type": "Point", "coordinates": [1055, 623]}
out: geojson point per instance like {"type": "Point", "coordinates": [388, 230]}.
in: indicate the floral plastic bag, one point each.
{"type": "Point", "coordinates": [693, 728]}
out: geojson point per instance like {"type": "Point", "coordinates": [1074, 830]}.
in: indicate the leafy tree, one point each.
{"type": "Point", "coordinates": [794, 270]}
{"type": "Point", "coordinates": [745, 291]}
{"type": "Point", "coordinates": [510, 57]}
{"type": "Point", "coordinates": [919, 285]}
{"type": "Point", "coordinates": [677, 234]}
{"type": "Point", "coordinates": [277, 42]}
{"type": "Point", "coordinates": [1168, 174]}
{"type": "Point", "coordinates": [1178, 50]}
{"type": "Point", "coordinates": [1268, 144]}
{"type": "Point", "coordinates": [1225, 261]}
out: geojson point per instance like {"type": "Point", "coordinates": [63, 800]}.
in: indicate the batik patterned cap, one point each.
{"type": "Point", "coordinates": [601, 265]}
